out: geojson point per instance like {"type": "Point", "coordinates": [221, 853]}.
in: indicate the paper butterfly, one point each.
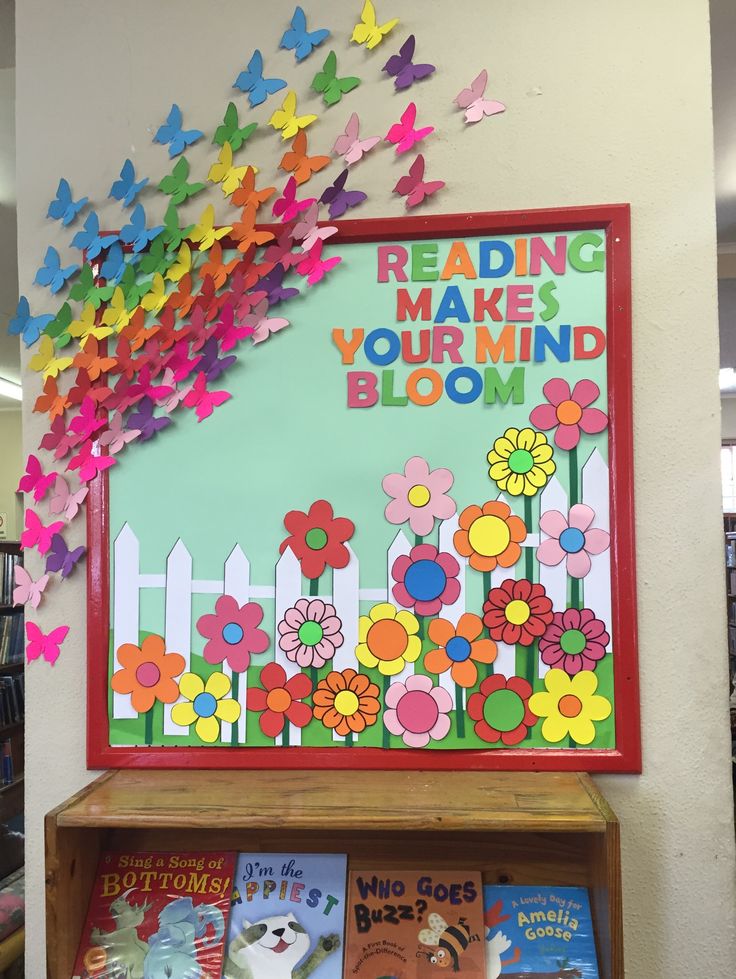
{"type": "Point", "coordinates": [44, 645]}
{"type": "Point", "coordinates": [471, 99]}
{"type": "Point", "coordinates": [282, 251]}
{"type": "Point", "coordinates": [403, 134]}
{"type": "Point", "coordinates": [172, 133]}
{"type": "Point", "coordinates": [87, 326]}
{"type": "Point", "coordinates": [46, 362]}
{"type": "Point", "coordinates": [286, 119]}
{"type": "Point", "coordinates": [34, 481]}
{"type": "Point", "coordinates": [89, 241]}
{"type": "Point", "coordinates": [329, 85]}
{"type": "Point", "coordinates": [57, 439]}
{"type": "Point", "coordinates": [36, 534]}
{"type": "Point", "coordinates": [338, 199]}
{"type": "Point", "coordinates": [51, 274]}
{"type": "Point", "coordinates": [287, 206]}
{"type": "Point", "coordinates": [181, 265]}
{"type": "Point", "coordinates": [127, 188]}
{"type": "Point", "coordinates": [314, 266]}
{"type": "Point", "coordinates": [65, 503]}
{"type": "Point", "coordinates": [114, 264]}
{"type": "Point", "coordinates": [368, 31]}
{"type": "Point", "coordinates": [174, 234]}
{"type": "Point", "coordinates": [145, 421]}
{"type": "Point", "coordinates": [63, 208]}
{"type": "Point", "coordinates": [272, 285]}
{"type": "Point", "coordinates": [89, 465]}
{"type": "Point", "coordinates": [211, 364]}
{"type": "Point", "coordinates": [176, 186]}
{"type": "Point", "coordinates": [401, 68]}
{"type": "Point", "coordinates": [155, 300]}
{"type": "Point", "coordinates": [308, 232]}
{"type": "Point", "coordinates": [205, 232]}
{"type": "Point", "coordinates": [51, 401]}
{"type": "Point", "coordinates": [247, 196]}
{"type": "Point", "coordinates": [60, 559]}
{"type": "Point", "coordinates": [229, 131]}
{"type": "Point", "coordinates": [154, 259]}
{"type": "Point", "coordinates": [91, 360]}
{"type": "Point", "coordinates": [136, 233]}
{"type": "Point", "coordinates": [350, 146]}
{"type": "Point", "coordinates": [298, 39]}
{"type": "Point", "coordinates": [414, 187]}
{"type": "Point", "coordinates": [58, 328]}
{"type": "Point", "coordinates": [27, 591]}
{"type": "Point", "coordinates": [223, 172]}
{"type": "Point", "coordinates": [297, 162]}
{"type": "Point", "coordinates": [85, 289]}
{"type": "Point", "coordinates": [252, 81]}
{"type": "Point", "coordinates": [244, 231]}
{"type": "Point", "coordinates": [27, 326]}
{"type": "Point", "coordinates": [202, 400]}
{"type": "Point", "coordinates": [261, 325]}
{"type": "Point", "coordinates": [216, 268]}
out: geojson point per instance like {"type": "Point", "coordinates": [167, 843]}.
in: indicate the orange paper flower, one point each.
{"type": "Point", "coordinates": [147, 673]}
{"type": "Point", "coordinates": [460, 648]}
{"type": "Point", "coordinates": [346, 702]}
{"type": "Point", "coordinates": [489, 536]}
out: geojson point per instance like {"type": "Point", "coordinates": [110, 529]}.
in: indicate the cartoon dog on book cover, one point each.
{"type": "Point", "coordinates": [273, 948]}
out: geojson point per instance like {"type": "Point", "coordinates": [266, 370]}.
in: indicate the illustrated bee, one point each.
{"type": "Point", "coordinates": [448, 941]}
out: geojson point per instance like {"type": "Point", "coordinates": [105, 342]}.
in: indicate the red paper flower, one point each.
{"type": "Point", "coordinates": [575, 641]}
{"type": "Point", "coordinates": [279, 698]}
{"type": "Point", "coordinates": [569, 413]}
{"type": "Point", "coordinates": [318, 538]}
{"type": "Point", "coordinates": [426, 579]}
{"type": "Point", "coordinates": [501, 711]}
{"type": "Point", "coordinates": [517, 612]}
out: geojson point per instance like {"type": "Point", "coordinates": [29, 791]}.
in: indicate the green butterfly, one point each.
{"type": "Point", "coordinates": [156, 259]}
{"type": "Point", "coordinates": [133, 290]}
{"type": "Point", "coordinates": [58, 328]}
{"type": "Point", "coordinates": [173, 234]}
{"type": "Point", "coordinates": [329, 85]}
{"type": "Point", "coordinates": [176, 186]}
{"type": "Point", "coordinates": [84, 289]}
{"type": "Point", "coordinates": [229, 132]}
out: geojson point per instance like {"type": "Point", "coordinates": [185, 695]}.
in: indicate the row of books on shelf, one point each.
{"type": "Point", "coordinates": [11, 639]}
{"type": "Point", "coordinates": [12, 698]}
{"type": "Point", "coordinates": [8, 562]}
{"type": "Point", "coordinates": [304, 916]}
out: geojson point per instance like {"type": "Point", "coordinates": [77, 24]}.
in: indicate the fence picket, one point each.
{"type": "Point", "coordinates": [454, 611]}
{"type": "Point", "coordinates": [178, 615]}
{"type": "Point", "coordinates": [126, 607]}
{"type": "Point", "coordinates": [346, 599]}
{"type": "Point", "coordinates": [597, 583]}
{"type": "Point", "coordinates": [554, 578]}
{"type": "Point", "coordinates": [236, 582]}
{"type": "Point", "coordinates": [399, 545]}
{"type": "Point", "coordinates": [288, 590]}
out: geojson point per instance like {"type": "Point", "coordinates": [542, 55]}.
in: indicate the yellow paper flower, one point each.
{"type": "Point", "coordinates": [521, 461]}
{"type": "Point", "coordinates": [387, 638]}
{"type": "Point", "coordinates": [569, 706]}
{"type": "Point", "coordinates": [206, 705]}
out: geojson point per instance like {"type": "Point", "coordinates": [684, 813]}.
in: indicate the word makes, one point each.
{"type": "Point", "coordinates": [285, 890]}
{"type": "Point", "coordinates": [146, 880]}
{"type": "Point", "coordinates": [536, 927]}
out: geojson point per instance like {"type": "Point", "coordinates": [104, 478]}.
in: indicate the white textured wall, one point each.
{"type": "Point", "coordinates": [11, 469]}
{"type": "Point", "coordinates": [728, 418]}
{"type": "Point", "coordinates": [608, 101]}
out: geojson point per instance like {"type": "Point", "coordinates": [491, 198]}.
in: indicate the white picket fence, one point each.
{"type": "Point", "coordinates": [179, 587]}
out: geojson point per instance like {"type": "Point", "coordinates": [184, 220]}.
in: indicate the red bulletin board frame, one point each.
{"type": "Point", "coordinates": [626, 757]}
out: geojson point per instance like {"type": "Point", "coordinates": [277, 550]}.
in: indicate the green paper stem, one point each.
{"type": "Point", "coordinates": [531, 665]}
{"type": "Point", "coordinates": [574, 490]}
{"type": "Point", "coordinates": [148, 735]}
{"type": "Point", "coordinates": [528, 552]}
{"type": "Point", "coordinates": [575, 593]}
{"type": "Point", "coordinates": [486, 589]}
{"type": "Point", "coordinates": [314, 586]}
{"type": "Point", "coordinates": [521, 660]}
{"type": "Point", "coordinates": [459, 711]}
{"type": "Point", "coordinates": [349, 739]}
{"type": "Point", "coordinates": [418, 539]}
{"type": "Point", "coordinates": [314, 673]}
{"type": "Point", "coordinates": [286, 733]}
{"type": "Point", "coordinates": [420, 633]}
{"type": "Point", "coordinates": [234, 693]}
{"type": "Point", "coordinates": [386, 732]}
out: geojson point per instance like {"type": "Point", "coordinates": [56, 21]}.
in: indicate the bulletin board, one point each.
{"type": "Point", "coordinates": [407, 540]}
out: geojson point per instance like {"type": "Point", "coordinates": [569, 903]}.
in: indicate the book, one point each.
{"type": "Point", "coordinates": [408, 924]}
{"type": "Point", "coordinates": [287, 919]}
{"type": "Point", "coordinates": [542, 932]}
{"type": "Point", "coordinates": [158, 916]}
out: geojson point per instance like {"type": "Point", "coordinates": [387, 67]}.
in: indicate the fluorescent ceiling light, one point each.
{"type": "Point", "coordinates": [727, 380]}
{"type": "Point", "coordinates": [11, 390]}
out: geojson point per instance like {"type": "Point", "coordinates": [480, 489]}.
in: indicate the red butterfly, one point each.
{"type": "Point", "coordinates": [57, 440]}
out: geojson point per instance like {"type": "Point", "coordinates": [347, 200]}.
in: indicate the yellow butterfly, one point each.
{"type": "Point", "coordinates": [182, 265]}
{"type": "Point", "coordinates": [369, 32]}
{"type": "Point", "coordinates": [45, 361]}
{"type": "Point", "coordinates": [85, 327]}
{"type": "Point", "coordinates": [117, 314]}
{"type": "Point", "coordinates": [225, 173]}
{"type": "Point", "coordinates": [205, 232]}
{"type": "Point", "coordinates": [155, 300]}
{"type": "Point", "coordinates": [286, 119]}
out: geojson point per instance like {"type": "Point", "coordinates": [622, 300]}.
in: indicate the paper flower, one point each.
{"type": "Point", "coordinates": [206, 705]}
{"type": "Point", "coordinates": [147, 673]}
{"type": "Point", "coordinates": [517, 612]}
{"type": "Point", "coordinates": [459, 648]}
{"type": "Point", "coordinates": [310, 632]}
{"type": "Point", "coordinates": [279, 699]}
{"type": "Point", "coordinates": [419, 496]}
{"type": "Point", "coordinates": [426, 579]}
{"type": "Point", "coordinates": [502, 710]}
{"type": "Point", "coordinates": [573, 539]}
{"type": "Point", "coordinates": [416, 711]}
{"type": "Point", "coordinates": [521, 462]}
{"type": "Point", "coordinates": [318, 538]}
{"type": "Point", "coordinates": [574, 641]}
{"type": "Point", "coordinates": [568, 413]}
{"type": "Point", "coordinates": [489, 536]}
{"type": "Point", "coordinates": [346, 702]}
{"type": "Point", "coordinates": [387, 639]}
{"type": "Point", "coordinates": [44, 644]}
{"type": "Point", "coordinates": [569, 706]}
{"type": "Point", "coordinates": [232, 633]}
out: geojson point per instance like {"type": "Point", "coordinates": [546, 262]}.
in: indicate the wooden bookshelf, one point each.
{"type": "Point", "coordinates": [516, 827]}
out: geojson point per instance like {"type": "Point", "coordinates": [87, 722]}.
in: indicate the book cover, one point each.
{"type": "Point", "coordinates": [287, 919]}
{"type": "Point", "coordinates": [542, 932]}
{"type": "Point", "coordinates": [157, 916]}
{"type": "Point", "coordinates": [409, 924]}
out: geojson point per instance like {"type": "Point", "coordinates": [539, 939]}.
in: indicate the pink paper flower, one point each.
{"type": "Point", "coordinates": [575, 640]}
{"type": "Point", "coordinates": [233, 633]}
{"type": "Point", "coordinates": [310, 632]}
{"type": "Point", "coordinates": [419, 496]}
{"type": "Point", "coordinates": [417, 711]}
{"type": "Point", "coordinates": [426, 579]}
{"type": "Point", "coordinates": [573, 539]}
{"type": "Point", "coordinates": [569, 413]}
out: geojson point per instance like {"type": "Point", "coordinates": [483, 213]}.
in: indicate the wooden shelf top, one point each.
{"type": "Point", "coordinates": [347, 800]}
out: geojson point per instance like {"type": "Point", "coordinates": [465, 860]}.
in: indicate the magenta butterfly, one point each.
{"type": "Point", "coordinates": [314, 266]}
{"type": "Point", "coordinates": [414, 187]}
{"type": "Point", "coordinates": [89, 465]}
{"type": "Point", "coordinates": [203, 401]}
{"type": "Point", "coordinates": [46, 645]}
{"type": "Point", "coordinates": [287, 207]}
{"type": "Point", "coordinates": [34, 481]}
{"type": "Point", "coordinates": [36, 534]}
{"type": "Point", "coordinates": [403, 134]}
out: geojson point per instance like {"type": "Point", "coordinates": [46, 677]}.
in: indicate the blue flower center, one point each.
{"type": "Point", "coordinates": [458, 649]}
{"type": "Point", "coordinates": [232, 633]}
{"type": "Point", "coordinates": [572, 540]}
{"type": "Point", "coordinates": [204, 705]}
{"type": "Point", "coordinates": [425, 580]}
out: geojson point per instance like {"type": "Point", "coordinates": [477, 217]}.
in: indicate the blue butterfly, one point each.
{"type": "Point", "coordinates": [136, 233]}
{"type": "Point", "coordinates": [63, 208]}
{"type": "Point", "coordinates": [90, 240]}
{"type": "Point", "coordinates": [51, 273]}
{"type": "Point", "coordinates": [27, 326]}
{"type": "Point", "coordinates": [298, 39]}
{"type": "Point", "coordinates": [252, 81]}
{"type": "Point", "coordinates": [114, 264]}
{"type": "Point", "coordinates": [127, 189]}
{"type": "Point", "coordinates": [172, 133]}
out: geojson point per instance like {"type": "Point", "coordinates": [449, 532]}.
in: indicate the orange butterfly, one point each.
{"type": "Point", "coordinates": [215, 266]}
{"type": "Point", "coordinates": [91, 361]}
{"type": "Point", "coordinates": [183, 300]}
{"type": "Point", "coordinates": [297, 162]}
{"type": "Point", "coordinates": [247, 196]}
{"type": "Point", "coordinates": [245, 233]}
{"type": "Point", "coordinates": [136, 333]}
{"type": "Point", "coordinates": [51, 400]}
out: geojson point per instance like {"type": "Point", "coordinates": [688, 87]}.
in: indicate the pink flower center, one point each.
{"type": "Point", "coordinates": [417, 711]}
{"type": "Point", "coordinates": [148, 674]}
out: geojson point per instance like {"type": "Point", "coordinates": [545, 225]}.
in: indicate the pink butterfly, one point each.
{"type": "Point", "coordinates": [85, 423]}
{"type": "Point", "coordinates": [314, 266]}
{"type": "Point", "coordinates": [202, 400]}
{"type": "Point", "coordinates": [177, 394]}
{"type": "Point", "coordinates": [57, 440]}
{"type": "Point", "coordinates": [308, 232]}
{"type": "Point", "coordinates": [116, 437]}
{"type": "Point", "coordinates": [413, 185]}
{"type": "Point", "coordinates": [63, 501]}
{"type": "Point", "coordinates": [287, 207]}
{"type": "Point", "coordinates": [350, 146]}
{"type": "Point", "coordinates": [44, 645]}
{"type": "Point", "coordinates": [36, 534]}
{"type": "Point", "coordinates": [27, 591]}
{"type": "Point", "coordinates": [471, 99]}
{"type": "Point", "coordinates": [262, 326]}
{"type": "Point", "coordinates": [403, 134]}
{"type": "Point", "coordinates": [227, 331]}
{"type": "Point", "coordinates": [34, 480]}
{"type": "Point", "coordinates": [88, 465]}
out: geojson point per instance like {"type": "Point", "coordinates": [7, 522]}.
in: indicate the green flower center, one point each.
{"type": "Point", "coordinates": [521, 461]}
{"type": "Point", "coordinates": [310, 633]}
{"type": "Point", "coordinates": [573, 642]}
{"type": "Point", "coordinates": [503, 710]}
{"type": "Point", "coordinates": [315, 539]}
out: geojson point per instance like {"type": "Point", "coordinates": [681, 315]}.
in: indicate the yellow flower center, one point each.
{"type": "Point", "coordinates": [569, 412]}
{"type": "Point", "coordinates": [518, 612]}
{"type": "Point", "coordinates": [346, 703]}
{"type": "Point", "coordinates": [419, 495]}
{"type": "Point", "coordinates": [489, 535]}
{"type": "Point", "coordinates": [570, 705]}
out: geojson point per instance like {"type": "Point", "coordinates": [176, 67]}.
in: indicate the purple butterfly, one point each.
{"type": "Point", "coordinates": [145, 421]}
{"type": "Point", "coordinates": [211, 365]}
{"type": "Point", "coordinates": [401, 68]}
{"type": "Point", "coordinates": [339, 199]}
{"type": "Point", "coordinates": [61, 559]}
{"type": "Point", "coordinates": [272, 284]}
